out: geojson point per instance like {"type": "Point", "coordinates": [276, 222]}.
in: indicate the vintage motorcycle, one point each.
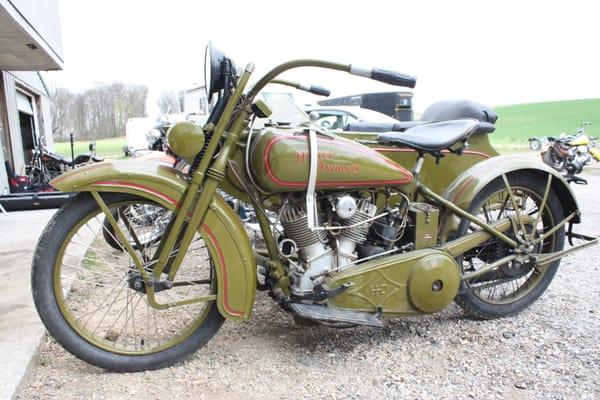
{"type": "Point", "coordinates": [571, 153]}
{"type": "Point", "coordinates": [355, 227]}
{"type": "Point", "coordinates": [46, 165]}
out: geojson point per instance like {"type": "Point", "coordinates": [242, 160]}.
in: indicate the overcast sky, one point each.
{"type": "Point", "coordinates": [495, 52]}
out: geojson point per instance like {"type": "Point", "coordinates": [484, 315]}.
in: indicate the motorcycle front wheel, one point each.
{"type": "Point", "coordinates": [85, 292]}
{"type": "Point", "coordinates": [154, 219]}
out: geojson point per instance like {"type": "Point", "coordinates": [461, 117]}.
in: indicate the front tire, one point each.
{"type": "Point", "coordinates": [74, 288]}
{"type": "Point", "coordinates": [512, 287]}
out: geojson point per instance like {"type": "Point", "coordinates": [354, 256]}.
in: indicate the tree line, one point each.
{"type": "Point", "coordinates": [96, 113]}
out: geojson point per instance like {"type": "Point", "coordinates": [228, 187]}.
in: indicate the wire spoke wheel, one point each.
{"type": "Point", "coordinates": [517, 283]}
{"type": "Point", "coordinates": [150, 220]}
{"type": "Point", "coordinates": [100, 295]}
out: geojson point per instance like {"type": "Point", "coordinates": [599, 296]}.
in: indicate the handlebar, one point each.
{"type": "Point", "coordinates": [385, 76]}
{"type": "Point", "coordinates": [319, 90]}
{"type": "Point", "coordinates": [314, 89]}
{"type": "Point", "coordinates": [390, 77]}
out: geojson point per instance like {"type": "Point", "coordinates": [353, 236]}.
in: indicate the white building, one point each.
{"type": "Point", "coordinates": [193, 100]}
{"type": "Point", "coordinates": [30, 41]}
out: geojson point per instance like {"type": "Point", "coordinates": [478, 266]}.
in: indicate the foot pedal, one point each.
{"type": "Point", "coordinates": [327, 314]}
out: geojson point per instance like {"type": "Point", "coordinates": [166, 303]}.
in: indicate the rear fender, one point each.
{"type": "Point", "coordinates": [468, 184]}
{"type": "Point", "coordinates": [222, 230]}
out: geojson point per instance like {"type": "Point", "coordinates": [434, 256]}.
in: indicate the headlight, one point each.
{"type": "Point", "coordinates": [214, 80]}
{"type": "Point", "coordinates": [185, 140]}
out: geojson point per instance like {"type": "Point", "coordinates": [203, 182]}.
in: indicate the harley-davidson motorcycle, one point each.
{"type": "Point", "coordinates": [46, 165]}
{"type": "Point", "coordinates": [571, 153]}
{"type": "Point", "coordinates": [388, 221]}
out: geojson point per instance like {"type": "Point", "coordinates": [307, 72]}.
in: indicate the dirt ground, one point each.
{"type": "Point", "coordinates": [551, 350]}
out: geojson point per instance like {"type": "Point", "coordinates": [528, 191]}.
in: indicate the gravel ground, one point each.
{"type": "Point", "coordinates": [551, 350]}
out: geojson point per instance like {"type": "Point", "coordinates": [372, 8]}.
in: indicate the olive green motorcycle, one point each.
{"type": "Point", "coordinates": [353, 227]}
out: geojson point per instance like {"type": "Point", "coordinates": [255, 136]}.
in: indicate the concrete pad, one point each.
{"type": "Point", "coordinates": [20, 326]}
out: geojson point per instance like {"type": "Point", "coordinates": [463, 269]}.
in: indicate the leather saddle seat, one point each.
{"type": "Point", "coordinates": [432, 137]}
{"type": "Point", "coordinates": [440, 111]}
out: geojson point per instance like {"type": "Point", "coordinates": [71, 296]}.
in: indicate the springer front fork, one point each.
{"type": "Point", "coordinates": [203, 184]}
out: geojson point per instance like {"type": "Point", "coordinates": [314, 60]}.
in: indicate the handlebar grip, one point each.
{"type": "Point", "coordinates": [319, 90]}
{"type": "Point", "coordinates": [385, 76]}
{"type": "Point", "coordinates": [393, 78]}
{"type": "Point", "coordinates": [314, 89]}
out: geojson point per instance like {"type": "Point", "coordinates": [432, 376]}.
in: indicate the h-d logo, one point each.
{"type": "Point", "coordinates": [379, 290]}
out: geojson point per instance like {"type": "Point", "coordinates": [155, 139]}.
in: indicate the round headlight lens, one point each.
{"type": "Point", "coordinates": [207, 71]}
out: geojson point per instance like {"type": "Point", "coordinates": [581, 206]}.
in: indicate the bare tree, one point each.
{"type": "Point", "coordinates": [98, 112]}
{"type": "Point", "coordinates": [168, 102]}
{"type": "Point", "coordinates": [61, 106]}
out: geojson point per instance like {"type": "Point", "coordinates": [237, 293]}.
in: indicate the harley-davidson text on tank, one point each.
{"type": "Point", "coordinates": [280, 162]}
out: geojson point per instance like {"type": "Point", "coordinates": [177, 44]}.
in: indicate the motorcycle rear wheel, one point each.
{"type": "Point", "coordinates": [512, 287]}
{"type": "Point", "coordinates": [84, 293]}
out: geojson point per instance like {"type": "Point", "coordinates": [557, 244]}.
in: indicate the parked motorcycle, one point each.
{"type": "Point", "coordinates": [46, 165]}
{"type": "Point", "coordinates": [571, 153]}
{"type": "Point", "coordinates": [354, 228]}
{"type": "Point", "coordinates": [157, 136]}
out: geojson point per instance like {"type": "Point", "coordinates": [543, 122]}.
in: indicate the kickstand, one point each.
{"type": "Point", "coordinates": [3, 210]}
{"type": "Point", "coordinates": [576, 179]}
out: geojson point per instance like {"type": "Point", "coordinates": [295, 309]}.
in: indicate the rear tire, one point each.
{"type": "Point", "coordinates": [537, 278]}
{"type": "Point", "coordinates": [64, 308]}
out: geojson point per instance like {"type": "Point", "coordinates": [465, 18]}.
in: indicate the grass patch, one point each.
{"type": "Point", "coordinates": [519, 122]}
{"type": "Point", "coordinates": [109, 148]}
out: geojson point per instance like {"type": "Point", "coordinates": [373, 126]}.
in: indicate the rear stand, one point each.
{"type": "Point", "coordinates": [576, 179]}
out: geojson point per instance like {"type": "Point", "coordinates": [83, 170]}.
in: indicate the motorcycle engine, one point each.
{"type": "Point", "coordinates": [580, 158]}
{"type": "Point", "coordinates": [313, 254]}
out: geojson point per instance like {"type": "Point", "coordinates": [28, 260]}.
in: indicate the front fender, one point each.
{"type": "Point", "coordinates": [466, 186]}
{"type": "Point", "coordinates": [222, 230]}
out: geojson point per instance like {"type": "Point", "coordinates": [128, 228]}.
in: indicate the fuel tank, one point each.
{"type": "Point", "coordinates": [580, 140]}
{"type": "Point", "coordinates": [280, 161]}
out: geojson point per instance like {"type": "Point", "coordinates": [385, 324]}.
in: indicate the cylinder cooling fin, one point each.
{"type": "Point", "coordinates": [364, 211]}
{"type": "Point", "coordinates": [295, 224]}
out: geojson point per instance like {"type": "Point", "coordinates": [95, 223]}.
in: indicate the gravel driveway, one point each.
{"type": "Point", "coordinates": [552, 350]}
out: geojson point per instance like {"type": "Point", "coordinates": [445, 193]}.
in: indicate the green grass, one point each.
{"type": "Point", "coordinates": [109, 148]}
{"type": "Point", "coordinates": [517, 123]}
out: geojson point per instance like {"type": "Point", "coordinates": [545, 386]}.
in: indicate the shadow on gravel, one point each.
{"type": "Point", "coordinates": [277, 330]}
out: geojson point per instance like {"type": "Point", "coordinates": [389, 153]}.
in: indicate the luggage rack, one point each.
{"type": "Point", "coordinates": [587, 242]}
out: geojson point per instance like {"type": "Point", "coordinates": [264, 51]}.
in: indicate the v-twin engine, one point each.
{"type": "Point", "coordinates": [320, 251]}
